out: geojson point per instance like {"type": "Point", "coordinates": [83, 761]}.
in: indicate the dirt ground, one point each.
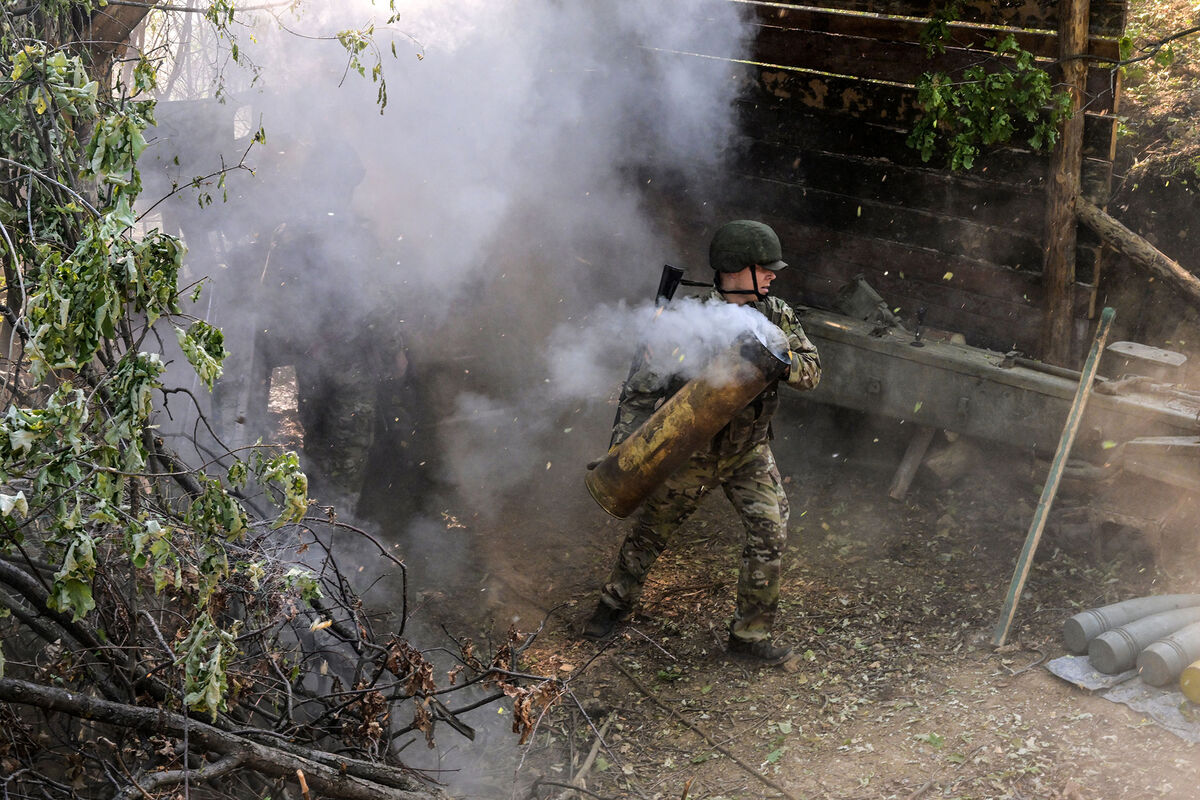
{"type": "Point", "coordinates": [896, 692]}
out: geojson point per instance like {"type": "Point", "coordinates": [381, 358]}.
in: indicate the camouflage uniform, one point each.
{"type": "Point", "coordinates": [739, 460]}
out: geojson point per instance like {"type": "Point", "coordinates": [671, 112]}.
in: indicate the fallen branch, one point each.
{"type": "Point", "coordinates": [763, 779]}
{"type": "Point", "coordinates": [157, 780]}
{"type": "Point", "coordinates": [561, 785]}
{"type": "Point", "coordinates": [578, 781]}
{"type": "Point", "coordinates": [1136, 248]}
{"type": "Point", "coordinates": [328, 780]}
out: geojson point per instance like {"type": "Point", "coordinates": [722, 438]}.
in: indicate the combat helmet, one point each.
{"type": "Point", "coordinates": [743, 243]}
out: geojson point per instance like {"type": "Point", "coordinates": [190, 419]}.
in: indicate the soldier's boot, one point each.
{"type": "Point", "coordinates": [763, 650]}
{"type": "Point", "coordinates": [602, 622]}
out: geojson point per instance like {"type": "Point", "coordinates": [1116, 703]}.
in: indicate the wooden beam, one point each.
{"type": "Point", "coordinates": [108, 31]}
{"type": "Point", "coordinates": [1058, 271]}
{"type": "Point", "coordinates": [1138, 249]}
{"type": "Point", "coordinates": [1042, 43]}
{"type": "Point", "coordinates": [110, 26]}
{"type": "Point", "coordinates": [1050, 489]}
{"type": "Point", "coordinates": [1107, 16]}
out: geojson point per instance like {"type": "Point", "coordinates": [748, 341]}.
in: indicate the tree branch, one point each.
{"type": "Point", "coordinates": [1113, 233]}
{"type": "Point", "coordinates": [329, 780]}
{"type": "Point", "coordinates": [1151, 50]}
{"type": "Point", "coordinates": [157, 780]}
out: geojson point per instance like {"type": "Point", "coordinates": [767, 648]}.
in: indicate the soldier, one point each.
{"type": "Point", "coordinates": [745, 256]}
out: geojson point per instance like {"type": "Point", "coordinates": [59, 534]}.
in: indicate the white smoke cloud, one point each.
{"type": "Point", "coordinates": [496, 203]}
{"type": "Point", "coordinates": [677, 340]}
{"type": "Point", "coordinates": [494, 219]}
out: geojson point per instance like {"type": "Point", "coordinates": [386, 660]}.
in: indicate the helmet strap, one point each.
{"type": "Point", "coordinates": [717, 281]}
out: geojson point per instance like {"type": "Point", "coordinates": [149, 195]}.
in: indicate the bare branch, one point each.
{"type": "Point", "coordinates": [266, 760]}
{"type": "Point", "coordinates": [158, 780]}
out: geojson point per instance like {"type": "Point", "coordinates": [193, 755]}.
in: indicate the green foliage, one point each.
{"type": "Point", "coordinates": [986, 105]}
{"type": "Point", "coordinates": [937, 31]}
{"type": "Point", "coordinates": [283, 472]}
{"type": "Point", "coordinates": [72, 590]}
{"type": "Point", "coordinates": [132, 573]}
{"type": "Point", "coordinates": [303, 582]}
{"type": "Point", "coordinates": [363, 55]}
{"type": "Point", "coordinates": [84, 293]}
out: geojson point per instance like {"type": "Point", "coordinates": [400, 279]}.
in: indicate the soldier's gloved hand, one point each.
{"type": "Point", "coordinates": [795, 369]}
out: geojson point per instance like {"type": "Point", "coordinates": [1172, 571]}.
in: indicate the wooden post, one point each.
{"type": "Point", "coordinates": [1050, 490]}
{"type": "Point", "coordinates": [917, 446]}
{"type": "Point", "coordinates": [1058, 268]}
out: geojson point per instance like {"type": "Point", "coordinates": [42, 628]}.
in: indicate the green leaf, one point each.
{"type": "Point", "coordinates": [204, 347]}
{"type": "Point", "coordinates": [206, 652]}
{"type": "Point", "coordinates": [71, 591]}
{"type": "Point", "coordinates": [1125, 47]}
{"type": "Point", "coordinates": [934, 740]}
{"type": "Point", "coordinates": [283, 472]}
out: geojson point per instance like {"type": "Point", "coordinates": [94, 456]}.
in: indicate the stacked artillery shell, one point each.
{"type": "Point", "coordinates": [1080, 629]}
{"type": "Point", "coordinates": [1163, 661]}
{"type": "Point", "coordinates": [1117, 650]}
{"type": "Point", "coordinates": [1189, 682]}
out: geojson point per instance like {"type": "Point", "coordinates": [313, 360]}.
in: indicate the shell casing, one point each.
{"type": "Point", "coordinates": [684, 423]}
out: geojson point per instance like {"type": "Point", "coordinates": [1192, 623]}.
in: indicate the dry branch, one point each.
{"type": "Point", "coordinates": [158, 780]}
{"type": "Point", "coordinates": [763, 779]}
{"type": "Point", "coordinates": [1138, 249]}
{"type": "Point", "coordinates": [270, 761]}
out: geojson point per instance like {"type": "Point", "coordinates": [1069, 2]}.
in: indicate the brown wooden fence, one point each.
{"type": "Point", "coordinates": [829, 103]}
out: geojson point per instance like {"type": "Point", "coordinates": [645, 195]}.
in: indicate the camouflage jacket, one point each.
{"type": "Point", "coordinates": [646, 389]}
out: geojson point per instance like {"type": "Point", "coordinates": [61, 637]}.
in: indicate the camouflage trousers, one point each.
{"type": "Point", "coordinates": [751, 482]}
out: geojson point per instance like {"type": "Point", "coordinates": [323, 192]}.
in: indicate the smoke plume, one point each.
{"type": "Point", "coordinates": [488, 240]}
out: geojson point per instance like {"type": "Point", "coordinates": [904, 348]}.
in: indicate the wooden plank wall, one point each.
{"type": "Point", "coordinates": [828, 105]}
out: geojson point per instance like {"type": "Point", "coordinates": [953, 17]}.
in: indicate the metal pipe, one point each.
{"type": "Point", "coordinates": [684, 423]}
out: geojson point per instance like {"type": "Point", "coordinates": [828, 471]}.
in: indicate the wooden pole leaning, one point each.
{"type": "Point", "coordinates": [1074, 418]}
